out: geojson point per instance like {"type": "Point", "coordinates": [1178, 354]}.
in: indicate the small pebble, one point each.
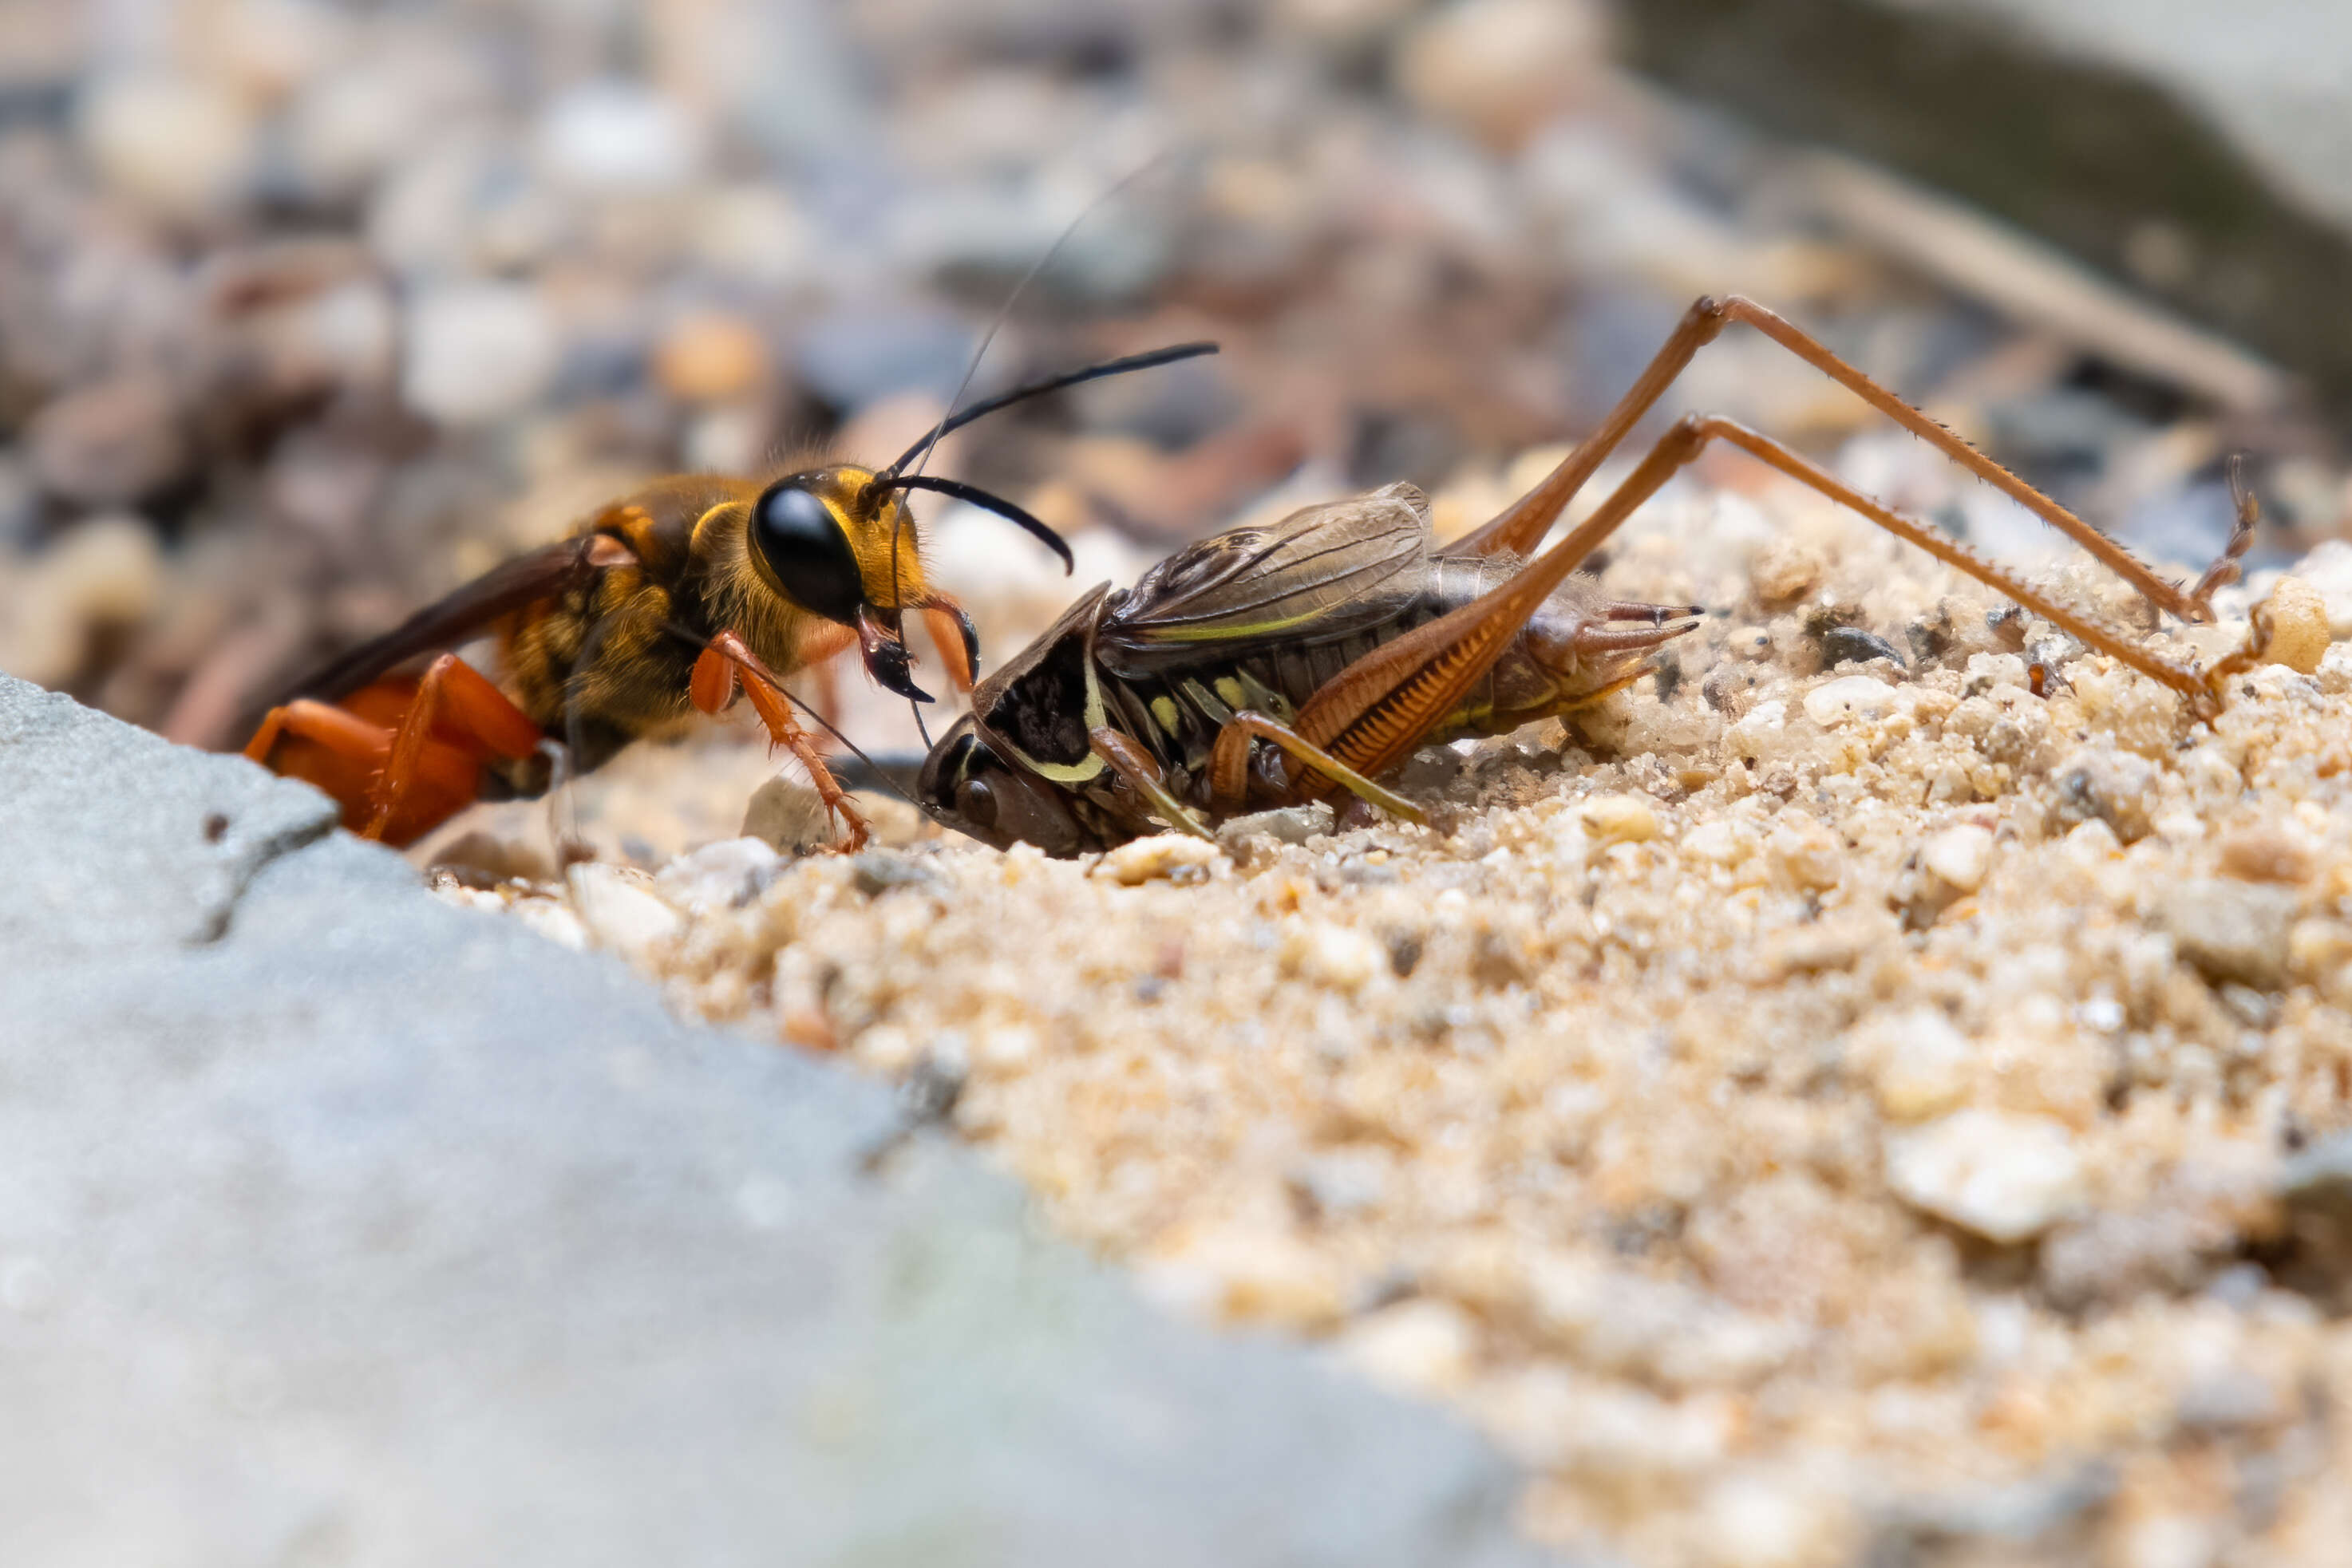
{"type": "Point", "coordinates": [1848, 698]}
{"type": "Point", "coordinates": [1757, 1522]}
{"type": "Point", "coordinates": [707, 357]}
{"type": "Point", "coordinates": [619, 909]}
{"type": "Point", "coordinates": [1919, 1065]}
{"type": "Point", "coordinates": [1337, 955]}
{"type": "Point", "coordinates": [1164, 854]}
{"type": "Point", "coordinates": [1283, 825]}
{"type": "Point", "coordinates": [1424, 1347]}
{"type": "Point", "coordinates": [618, 136]}
{"type": "Point", "coordinates": [2267, 854]}
{"type": "Point", "coordinates": [1499, 68]}
{"type": "Point", "coordinates": [787, 814]}
{"type": "Point", "coordinates": [1958, 856]}
{"type": "Point", "coordinates": [2005, 1178]}
{"type": "Point", "coordinates": [1719, 841]}
{"type": "Point", "coordinates": [2300, 630]}
{"type": "Point", "coordinates": [496, 858]}
{"type": "Point", "coordinates": [109, 444]}
{"type": "Point", "coordinates": [181, 145]}
{"type": "Point", "coordinates": [103, 575]}
{"type": "Point", "coordinates": [1761, 731]}
{"type": "Point", "coordinates": [1783, 570]}
{"type": "Point", "coordinates": [1844, 644]}
{"type": "Point", "coordinates": [1619, 820]}
{"type": "Point", "coordinates": [2231, 930]}
{"type": "Point", "coordinates": [724, 876]}
{"type": "Point", "coordinates": [2107, 784]}
{"type": "Point", "coordinates": [476, 352]}
{"type": "Point", "coordinates": [2327, 572]}
{"type": "Point", "coordinates": [1807, 854]}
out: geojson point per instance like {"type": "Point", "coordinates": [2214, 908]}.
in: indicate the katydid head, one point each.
{"type": "Point", "coordinates": [966, 786]}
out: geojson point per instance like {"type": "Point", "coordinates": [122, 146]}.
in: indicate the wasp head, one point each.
{"type": "Point", "coordinates": [840, 543]}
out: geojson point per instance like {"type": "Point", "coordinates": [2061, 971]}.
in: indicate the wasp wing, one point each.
{"type": "Point", "coordinates": [459, 617]}
{"type": "Point", "coordinates": [1319, 575]}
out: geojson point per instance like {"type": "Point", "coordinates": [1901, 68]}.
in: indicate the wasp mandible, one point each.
{"type": "Point", "coordinates": [1265, 666]}
{"type": "Point", "coordinates": [663, 605]}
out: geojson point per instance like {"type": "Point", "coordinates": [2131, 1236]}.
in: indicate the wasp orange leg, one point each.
{"type": "Point", "coordinates": [461, 703]}
{"type": "Point", "coordinates": [347, 750]}
{"type": "Point", "coordinates": [728, 664]}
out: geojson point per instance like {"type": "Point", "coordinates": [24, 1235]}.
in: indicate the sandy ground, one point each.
{"type": "Point", "coordinates": [1805, 1113]}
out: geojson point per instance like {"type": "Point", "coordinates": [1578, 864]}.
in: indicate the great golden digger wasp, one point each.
{"type": "Point", "coordinates": [659, 607]}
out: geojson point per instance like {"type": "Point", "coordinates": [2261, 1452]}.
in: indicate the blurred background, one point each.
{"type": "Point", "coordinates": [309, 312]}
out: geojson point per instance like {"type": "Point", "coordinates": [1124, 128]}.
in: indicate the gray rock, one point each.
{"type": "Point", "coordinates": [338, 1224]}
{"type": "Point", "coordinates": [126, 844]}
{"type": "Point", "coordinates": [2232, 931]}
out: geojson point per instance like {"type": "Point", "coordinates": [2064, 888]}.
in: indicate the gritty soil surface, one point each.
{"type": "Point", "coordinates": [1807, 1111]}
{"type": "Point", "coordinates": [1864, 1094]}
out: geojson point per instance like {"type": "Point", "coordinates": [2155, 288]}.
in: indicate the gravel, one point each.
{"type": "Point", "coordinates": [1832, 1115]}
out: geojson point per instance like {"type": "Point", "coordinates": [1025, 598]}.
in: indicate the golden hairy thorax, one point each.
{"type": "Point", "coordinates": [615, 653]}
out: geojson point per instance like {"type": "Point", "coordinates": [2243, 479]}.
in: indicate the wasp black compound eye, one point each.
{"type": "Point", "coordinates": [805, 550]}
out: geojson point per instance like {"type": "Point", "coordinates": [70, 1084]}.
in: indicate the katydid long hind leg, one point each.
{"type": "Point", "coordinates": [2225, 570]}
{"type": "Point", "coordinates": [1373, 713]}
{"type": "Point", "coordinates": [1522, 526]}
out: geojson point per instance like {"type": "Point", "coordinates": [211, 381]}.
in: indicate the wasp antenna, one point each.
{"type": "Point", "coordinates": [990, 502]}
{"type": "Point", "coordinates": [988, 406]}
{"type": "Point", "coordinates": [1004, 312]}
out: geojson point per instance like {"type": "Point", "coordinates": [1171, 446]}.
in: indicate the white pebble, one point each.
{"type": "Point", "coordinates": [1163, 854]}
{"type": "Point", "coordinates": [1414, 1347]}
{"type": "Point", "coordinates": [1757, 1521]}
{"type": "Point", "coordinates": [1958, 857]}
{"type": "Point", "coordinates": [2329, 570]}
{"type": "Point", "coordinates": [1918, 1063]}
{"type": "Point", "coordinates": [724, 876]}
{"type": "Point", "coordinates": [1332, 954]}
{"type": "Point", "coordinates": [1718, 843]}
{"type": "Point", "coordinates": [552, 921]}
{"type": "Point", "coordinates": [1619, 819]}
{"type": "Point", "coordinates": [178, 144]}
{"type": "Point", "coordinates": [614, 136]}
{"type": "Point", "coordinates": [1758, 732]}
{"type": "Point", "coordinates": [621, 911]}
{"type": "Point", "coordinates": [2006, 1177]}
{"type": "Point", "coordinates": [1006, 1045]}
{"type": "Point", "coordinates": [1847, 698]}
{"type": "Point", "coordinates": [477, 351]}
{"type": "Point", "coordinates": [886, 1048]}
{"type": "Point", "coordinates": [2301, 626]}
